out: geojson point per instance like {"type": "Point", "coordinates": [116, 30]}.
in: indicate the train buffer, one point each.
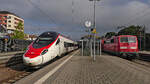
{"type": "Point", "coordinates": [76, 69]}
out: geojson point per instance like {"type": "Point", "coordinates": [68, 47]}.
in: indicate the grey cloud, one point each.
{"type": "Point", "coordinates": [57, 14]}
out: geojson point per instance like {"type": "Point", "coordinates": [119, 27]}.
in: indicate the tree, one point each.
{"type": "Point", "coordinates": [19, 33]}
{"type": "Point", "coordinates": [20, 26]}
{"type": "Point", "coordinates": [132, 30]}
{"type": "Point", "coordinates": [110, 34]}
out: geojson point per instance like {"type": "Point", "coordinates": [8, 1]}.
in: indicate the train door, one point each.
{"type": "Point", "coordinates": [66, 45]}
{"type": "Point", "coordinates": [112, 46]}
{"type": "Point", "coordinates": [61, 47]}
{"type": "Point", "coordinates": [116, 45]}
{"type": "Point", "coordinates": [57, 49]}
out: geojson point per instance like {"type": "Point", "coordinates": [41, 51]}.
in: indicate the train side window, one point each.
{"type": "Point", "coordinates": [58, 41]}
{"type": "Point", "coordinates": [65, 44]}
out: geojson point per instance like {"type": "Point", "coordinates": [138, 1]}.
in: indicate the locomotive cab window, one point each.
{"type": "Point", "coordinates": [124, 39]}
{"type": "Point", "coordinates": [132, 40]}
{"type": "Point", "coordinates": [127, 39]}
{"type": "Point", "coordinates": [45, 39]}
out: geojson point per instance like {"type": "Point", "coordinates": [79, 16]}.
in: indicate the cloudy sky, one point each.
{"type": "Point", "coordinates": [68, 16]}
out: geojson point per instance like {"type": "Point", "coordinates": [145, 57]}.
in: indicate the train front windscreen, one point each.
{"type": "Point", "coordinates": [45, 39]}
{"type": "Point", "coordinates": [128, 39]}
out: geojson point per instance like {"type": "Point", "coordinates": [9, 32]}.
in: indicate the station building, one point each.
{"type": "Point", "coordinates": [10, 21]}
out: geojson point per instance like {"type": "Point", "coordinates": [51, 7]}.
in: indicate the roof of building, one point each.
{"type": "Point", "coordinates": [7, 12]}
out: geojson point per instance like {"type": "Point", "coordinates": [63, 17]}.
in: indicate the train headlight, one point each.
{"type": "Point", "coordinates": [132, 47]}
{"type": "Point", "coordinates": [123, 47]}
{"type": "Point", "coordinates": [44, 51]}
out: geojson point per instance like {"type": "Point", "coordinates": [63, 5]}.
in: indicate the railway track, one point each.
{"type": "Point", "coordinates": [143, 59]}
{"type": "Point", "coordinates": [23, 72]}
{"type": "Point", "coordinates": [12, 67]}
{"type": "Point", "coordinates": [145, 63]}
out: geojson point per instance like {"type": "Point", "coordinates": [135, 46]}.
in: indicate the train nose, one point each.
{"type": "Point", "coordinates": [32, 61]}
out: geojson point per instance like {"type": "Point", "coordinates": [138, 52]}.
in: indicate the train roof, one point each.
{"type": "Point", "coordinates": [49, 33]}
{"type": "Point", "coordinates": [118, 36]}
{"type": "Point", "coordinates": [124, 35]}
{"type": "Point", "coordinates": [56, 33]}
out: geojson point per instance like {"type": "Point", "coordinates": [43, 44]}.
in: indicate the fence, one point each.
{"type": "Point", "coordinates": [13, 45]}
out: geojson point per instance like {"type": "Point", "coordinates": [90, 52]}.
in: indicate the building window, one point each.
{"type": "Point", "coordinates": [9, 25]}
{"type": "Point", "coordinates": [9, 21]}
{"type": "Point", "coordinates": [0, 21]}
{"type": "Point", "coordinates": [9, 17]}
{"type": "Point", "coordinates": [5, 21]}
{"type": "Point", "coordinates": [15, 22]}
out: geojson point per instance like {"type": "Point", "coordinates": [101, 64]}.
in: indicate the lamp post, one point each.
{"type": "Point", "coordinates": [94, 23]}
{"type": "Point", "coordinates": [144, 31]}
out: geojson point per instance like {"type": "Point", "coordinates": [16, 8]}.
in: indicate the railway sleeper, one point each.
{"type": "Point", "coordinates": [12, 64]}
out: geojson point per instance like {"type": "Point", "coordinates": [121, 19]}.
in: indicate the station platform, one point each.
{"type": "Point", "coordinates": [83, 70]}
{"type": "Point", "coordinates": [144, 52]}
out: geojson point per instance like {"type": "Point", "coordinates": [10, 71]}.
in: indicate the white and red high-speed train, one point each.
{"type": "Point", "coordinates": [46, 47]}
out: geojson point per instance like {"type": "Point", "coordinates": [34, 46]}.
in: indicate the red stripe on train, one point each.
{"type": "Point", "coordinates": [33, 52]}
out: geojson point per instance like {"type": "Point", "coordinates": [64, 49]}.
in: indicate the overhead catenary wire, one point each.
{"type": "Point", "coordinates": [72, 11]}
{"type": "Point", "coordinates": [138, 17]}
{"type": "Point", "coordinates": [51, 20]}
{"type": "Point", "coordinates": [79, 18]}
{"type": "Point", "coordinates": [134, 17]}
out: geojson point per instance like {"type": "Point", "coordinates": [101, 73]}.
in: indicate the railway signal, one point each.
{"type": "Point", "coordinates": [93, 30]}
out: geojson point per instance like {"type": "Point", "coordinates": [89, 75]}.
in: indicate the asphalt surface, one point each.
{"type": "Point", "coordinates": [83, 70]}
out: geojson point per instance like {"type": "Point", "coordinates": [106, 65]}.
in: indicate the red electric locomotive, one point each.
{"type": "Point", "coordinates": [125, 46]}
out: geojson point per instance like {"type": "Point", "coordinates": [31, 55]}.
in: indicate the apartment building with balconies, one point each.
{"type": "Point", "coordinates": [10, 21]}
